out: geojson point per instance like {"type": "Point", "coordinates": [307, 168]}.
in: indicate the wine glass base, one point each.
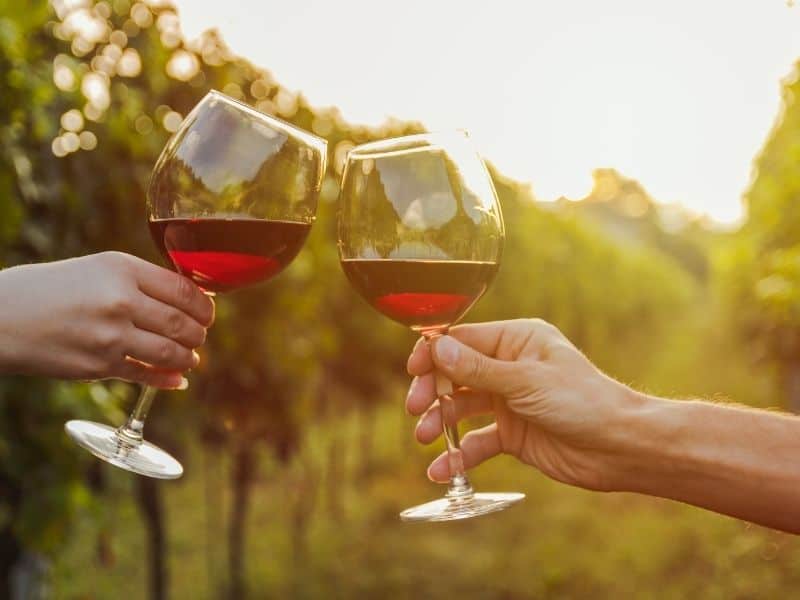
{"type": "Point", "coordinates": [453, 509]}
{"type": "Point", "coordinates": [143, 458]}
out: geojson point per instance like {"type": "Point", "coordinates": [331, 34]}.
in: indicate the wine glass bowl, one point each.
{"type": "Point", "coordinates": [234, 193]}
{"type": "Point", "coordinates": [230, 203]}
{"type": "Point", "coordinates": [420, 238]}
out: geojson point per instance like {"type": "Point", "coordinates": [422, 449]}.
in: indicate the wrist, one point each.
{"type": "Point", "coordinates": [650, 446]}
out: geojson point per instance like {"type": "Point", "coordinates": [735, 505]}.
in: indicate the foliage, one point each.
{"type": "Point", "coordinates": [762, 265]}
{"type": "Point", "coordinates": [298, 376]}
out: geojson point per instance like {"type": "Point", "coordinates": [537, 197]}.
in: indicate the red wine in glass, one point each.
{"type": "Point", "coordinates": [224, 254]}
{"type": "Point", "coordinates": [425, 295]}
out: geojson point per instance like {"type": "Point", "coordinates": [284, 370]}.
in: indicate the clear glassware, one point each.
{"type": "Point", "coordinates": [420, 238]}
{"type": "Point", "coordinates": [230, 202]}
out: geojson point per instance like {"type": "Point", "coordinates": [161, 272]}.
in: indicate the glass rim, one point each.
{"type": "Point", "coordinates": [308, 137]}
{"type": "Point", "coordinates": [407, 144]}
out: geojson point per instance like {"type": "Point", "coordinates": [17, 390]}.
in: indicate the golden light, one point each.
{"type": "Point", "coordinates": [143, 124]}
{"type": "Point", "coordinates": [161, 111]}
{"type": "Point", "coordinates": [91, 112]}
{"type": "Point", "coordinates": [259, 89]}
{"type": "Point", "coordinates": [340, 154]}
{"type": "Point", "coordinates": [130, 64]}
{"type": "Point", "coordinates": [112, 52]}
{"type": "Point", "coordinates": [118, 38]}
{"type": "Point", "coordinates": [103, 64]}
{"type": "Point", "coordinates": [286, 103]}
{"type": "Point", "coordinates": [70, 141]}
{"type": "Point", "coordinates": [233, 90]}
{"type": "Point", "coordinates": [102, 9]}
{"type": "Point", "coordinates": [57, 146]}
{"type": "Point", "coordinates": [141, 15]}
{"type": "Point", "coordinates": [64, 78]}
{"type": "Point", "coordinates": [84, 24]}
{"type": "Point", "coordinates": [72, 120]}
{"type": "Point", "coordinates": [322, 125]}
{"type": "Point", "coordinates": [172, 120]}
{"type": "Point", "coordinates": [95, 88]}
{"type": "Point", "coordinates": [88, 140]}
{"type": "Point", "coordinates": [81, 47]}
{"type": "Point", "coordinates": [266, 106]}
{"type": "Point", "coordinates": [183, 65]}
{"type": "Point", "coordinates": [64, 7]}
{"type": "Point", "coordinates": [169, 26]}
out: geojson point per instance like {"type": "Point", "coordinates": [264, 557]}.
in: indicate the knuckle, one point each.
{"type": "Point", "coordinates": [166, 352]}
{"type": "Point", "coordinates": [115, 259]}
{"type": "Point", "coordinates": [536, 323]}
{"type": "Point", "coordinates": [542, 327]}
{"type": "Point", "coordinates": [119, 304]}
{"type": "Point", "coordinates": [477, 368]}
{"type": "Point", "coordinates": [107, 341]}
{"type": "Point", "coordinates": [174, 323]}
{"type": "Point", "coordinates": [185, 291]}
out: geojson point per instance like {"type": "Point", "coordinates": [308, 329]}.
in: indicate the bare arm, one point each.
{"type": "Point", "coordinates": [732, 460]}
{"type": "Point", "coordinates": [557, 412]}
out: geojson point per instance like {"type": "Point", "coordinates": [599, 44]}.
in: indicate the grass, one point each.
{"type": "Point", "coordinates": [561, 542]}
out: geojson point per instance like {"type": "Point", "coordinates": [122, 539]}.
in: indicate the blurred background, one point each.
{"type": "Point", "coordinates": [665, 242]}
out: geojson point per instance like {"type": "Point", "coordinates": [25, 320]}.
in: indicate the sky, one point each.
{"type": "Point", "coordinates": [677, 94]}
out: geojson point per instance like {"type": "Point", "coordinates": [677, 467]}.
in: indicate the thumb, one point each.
{"type": "Point", "coordinates": [465, 366]}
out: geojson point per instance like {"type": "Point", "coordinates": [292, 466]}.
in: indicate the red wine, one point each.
{"type": "Point", "coordinates": [422, 294]}
{"type": "Point", "coordinates": [221, 255]}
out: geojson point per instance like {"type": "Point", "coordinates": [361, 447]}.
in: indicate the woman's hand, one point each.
{"type": "Point", "coordinates": [553, 408]}
{"type": "Point", "coordinates": [101, 316]}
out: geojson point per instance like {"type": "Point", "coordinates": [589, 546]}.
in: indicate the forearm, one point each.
{"type": "Point", "coordinates": [10, 360]}
{"type": "Point", "coordinates": [737, 461]}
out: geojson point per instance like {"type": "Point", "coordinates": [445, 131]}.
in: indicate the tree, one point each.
{"type": "Point", "coordinates": [763, 265]}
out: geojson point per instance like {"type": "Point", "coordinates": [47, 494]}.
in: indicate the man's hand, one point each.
{"type": "Point", "coordinates": [553, 408]}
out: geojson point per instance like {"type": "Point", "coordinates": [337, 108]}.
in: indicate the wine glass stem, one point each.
{"type": "Point", "coordinates": [459, 487]}
{"type": "Point", "coordinates": [131, 432]}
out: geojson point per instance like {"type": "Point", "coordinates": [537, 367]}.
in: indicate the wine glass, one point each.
{"type": "Point", "coordinates": [230, 202]}
{"type": "Point", "coordinates": [420, 238]}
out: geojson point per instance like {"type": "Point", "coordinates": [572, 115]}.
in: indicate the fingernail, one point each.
{"type": "Point", "coordinates": [196, 358]}
{"type": "Point", "coordinates": [447, 351]}
{"type": "Point", "coordinates": [184, 384]}
{"type": "Point", "coordinates": [422, 426]}
{"type": "Point", "coordinates": [428, 472]}
{"type": "Point", "coordinates": [431, 468]}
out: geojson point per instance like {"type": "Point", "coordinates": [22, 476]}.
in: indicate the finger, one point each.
{"type": "Point", "coordinates": [468, 367]}
{"type": "Point", "coordinates": [421, 394]}
{"type": "Point", "coordinates": [476, 447]}
{"type": "Point", "coordinates": [159, 351]}
{"type": "Point", "coordinates": [467, 404]}
{"type": "Point", "coordinates": [420, 361]}
{"type": "Point", "coordinates": [167, 321]}
{"type": "Point", "coordinates": [175, 290]}
{"type": "Point", "coordinates": [534, 336]}
{"type": "Point", "coordinates": [138, 372]}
